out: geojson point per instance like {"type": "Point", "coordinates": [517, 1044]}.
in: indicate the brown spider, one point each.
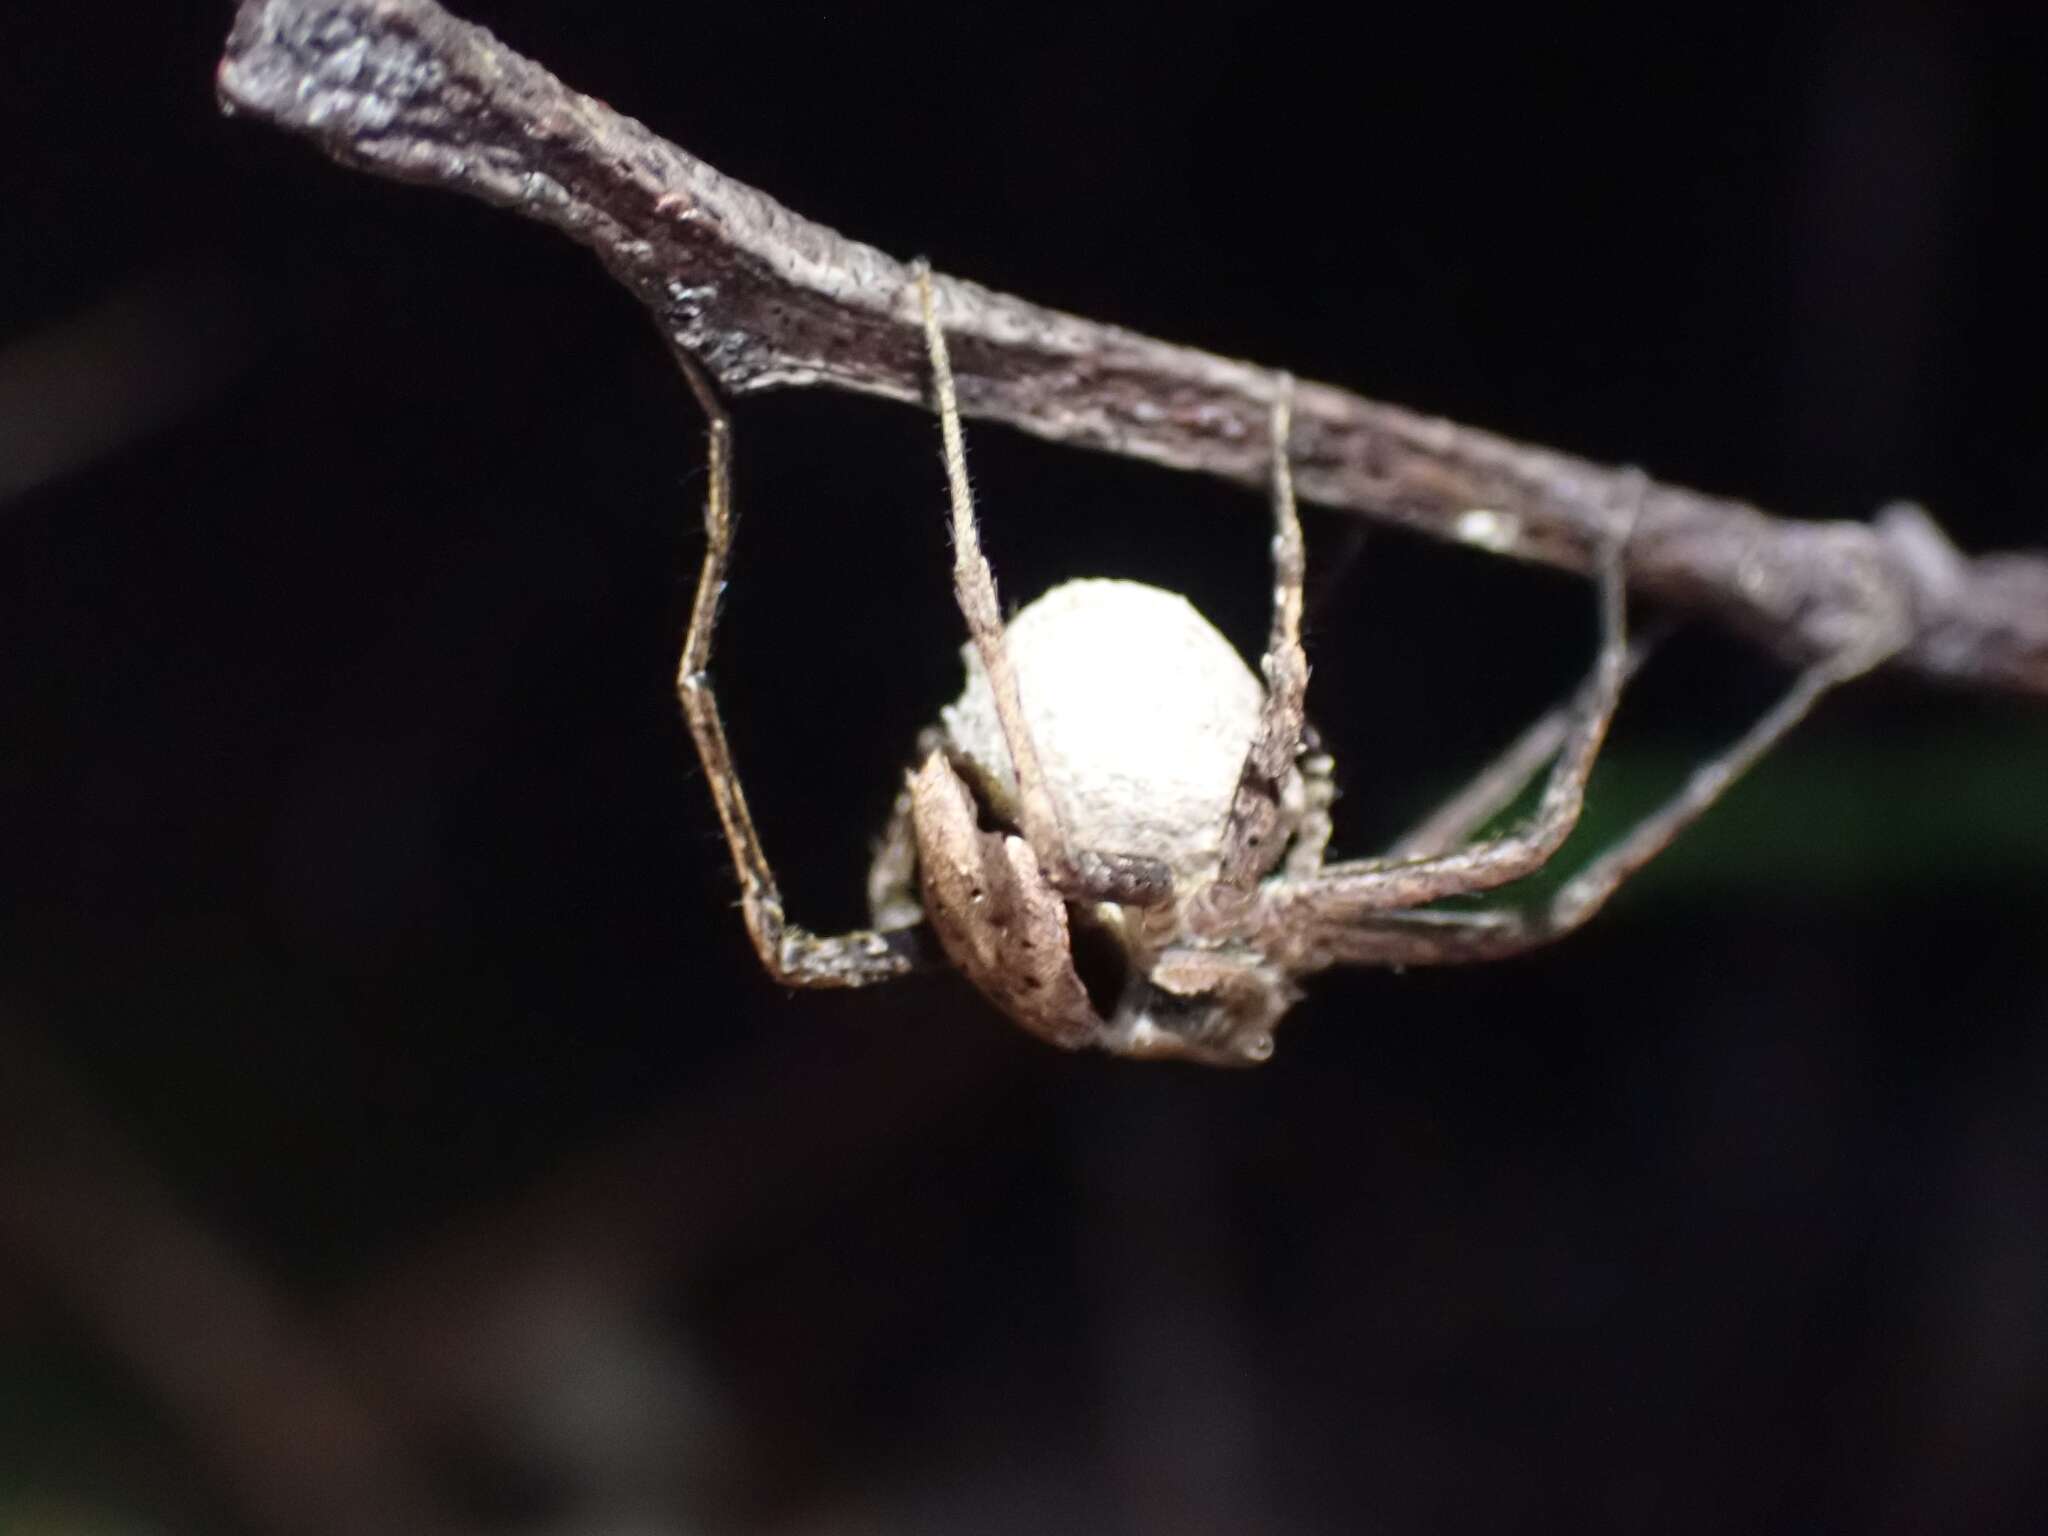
{"type": "Point", "coordinates": [1115, 775]}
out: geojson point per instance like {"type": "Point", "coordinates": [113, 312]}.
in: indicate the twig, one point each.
{"type": "Point", "coordinates": [762, 298]}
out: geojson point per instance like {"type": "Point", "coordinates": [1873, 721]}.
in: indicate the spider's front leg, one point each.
{"type": "Point", "coordinates": [1500, 783]}
{"type": "Point", "coordinates": [1337, 937]}
{"type": "Point", "coordinates": [791, 954]}
{"type": "Point", "coordinates": [1252, 836]}
{"type": "Point", "coordinates": [1586, 892]}
{"type": "Point", "coordinates": [1335, 933]}
{"type": "Point", "coordinates": [1383, 885]}
{"type": "Point", "coordinates": [1080, 873]}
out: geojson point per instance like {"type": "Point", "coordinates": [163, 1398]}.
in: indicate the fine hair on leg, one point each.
{"type": "Point", "coordinates": [791, 954]}
{"type": "Point", "coordinates": [1252, 844]}
{"type": "Point", "coordinates": [1459, 937]}
{"type": "Point", "coordinates": [1498, 785]}
{"type": "Point", "coordinates": [1381, 885]}
{"type": "Point", "coordinates": [1082, 873]}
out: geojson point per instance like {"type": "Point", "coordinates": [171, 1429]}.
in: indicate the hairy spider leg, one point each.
{"type": "Point", "coordinates": [1319, 789]}
{"type": "Point", "coordinates": [892, 875]}
{"type": "Point", "coordinates": [1497, 786]}
{"type": "Point", "coordinates": [1380, 885]}
{"type": "Point", "coordinates": [1318, 769]}
{"type": "Point", "coordinates": [1079, 873]}
{"type": "Point", "coordinates": [894, 900]}
{"type": "Point", "coordinates": [1252, 840]}
{"type": "Point", "coordinates": [1456, 938]}
{"type": "Point", "coordinates": [791, 954]}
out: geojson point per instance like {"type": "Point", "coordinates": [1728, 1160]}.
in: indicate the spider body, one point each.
{"type": "Point", "coordinates": [1117, 832]}
{"type": "Point", "coordinates": [1142, 711]}
{"type": "Point", "coordinates": [1143, 715]}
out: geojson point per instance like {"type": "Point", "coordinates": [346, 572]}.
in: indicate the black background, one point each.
{"type": "Point", "coordinates": [395, 1115]}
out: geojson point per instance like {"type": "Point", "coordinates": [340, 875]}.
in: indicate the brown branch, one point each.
{"type": "Point", "coordinates": [763, 298]}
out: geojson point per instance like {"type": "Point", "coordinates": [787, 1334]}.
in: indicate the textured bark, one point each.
{"type": "Point", "coordinates": [762, 298]}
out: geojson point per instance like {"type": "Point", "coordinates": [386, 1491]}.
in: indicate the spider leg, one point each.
{"type": "Point", "coordinates": [893, 898]}
{"type": "Point", "coordinates": [1319, 785]}
{"type": "Point", "coordinates": [1252, 841]}
{"type": "Point", "coordinates": [1083, 874]}
{"type": "Point", "coordinates": [1396, 939]}
{"type": "Point", "coordinates": [1586, 892]}
{"type": "Point", "coordinates": [1495, 787]}
{"type": "Point", "coordinates": [1381, 885]}
{"type": "Point", "coordinates": [1455, 937]}
{"type": "Point", "coordinates": [791, 954]}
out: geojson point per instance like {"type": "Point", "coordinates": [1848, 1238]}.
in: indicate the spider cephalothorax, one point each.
{"type": "Point", "coordinates": [1117, 832]}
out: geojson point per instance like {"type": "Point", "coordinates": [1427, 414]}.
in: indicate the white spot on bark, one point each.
{"type": "Point", "coordinates": [1497, 531]}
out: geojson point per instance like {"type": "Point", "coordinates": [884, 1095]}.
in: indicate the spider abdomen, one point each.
{"type": "Point", "coordinates": [1141, 711]}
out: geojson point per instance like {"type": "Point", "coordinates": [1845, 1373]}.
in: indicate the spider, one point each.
{"type": "Point", "coordinates": [1117, 832]}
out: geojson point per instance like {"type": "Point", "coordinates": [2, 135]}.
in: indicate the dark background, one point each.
{"type": "Point", "coordinates": [395, 1128]}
